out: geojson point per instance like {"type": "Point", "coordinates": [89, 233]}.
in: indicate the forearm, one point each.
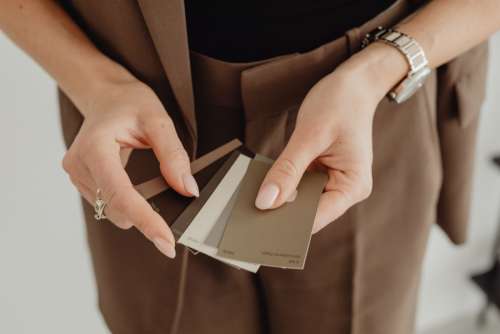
{"type": "Point", "coordinates": [47, 33]}
{"type": "Point", "coordinates": [443, 28]}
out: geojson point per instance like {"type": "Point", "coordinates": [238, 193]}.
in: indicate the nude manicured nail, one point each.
{"type": "Point", "coordinates": [165, 247]}
{"type": "Point", "coordinates": [267, 195]}
{"type": "Point", "coordinates": [190, 185]}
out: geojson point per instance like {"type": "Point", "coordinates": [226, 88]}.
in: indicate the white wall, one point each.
{"type": "Point", "coordinates": [46, 283]}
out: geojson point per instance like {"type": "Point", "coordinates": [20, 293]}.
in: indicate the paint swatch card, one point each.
{"type": "Point", "coordinates": [279, 237]}
{"type": "Point", "coordinates": [224, 223]}
{"type": "Point", "coordinates": [169, 204]}
{"type": "Point", "coordinates": [186, 217]}
{"type": "Point", "coordinates": [204, 221]}
{"type": "Point", "coordinates": [217, 231]}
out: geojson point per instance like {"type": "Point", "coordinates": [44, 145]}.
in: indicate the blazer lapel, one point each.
{"type": "Point", "coordinates": [166, 21]}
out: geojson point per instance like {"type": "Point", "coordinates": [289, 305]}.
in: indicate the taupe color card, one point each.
{"type": "Point", "coordinates": [279, 237]}
{"type": "Point", "coordinates": [199, 229]}
{"type": "Point", "coordinates": [217, 231]}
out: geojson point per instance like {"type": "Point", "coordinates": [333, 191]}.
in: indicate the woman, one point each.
{"type": "Point", "coordinates": [292, 81]}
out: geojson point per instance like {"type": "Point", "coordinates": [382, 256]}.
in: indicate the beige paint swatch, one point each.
{"type": "Point", "coordinates": [199, 229]}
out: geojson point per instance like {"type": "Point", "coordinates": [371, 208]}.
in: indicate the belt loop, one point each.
{"type": "Point", "coordinates": [353, 37]}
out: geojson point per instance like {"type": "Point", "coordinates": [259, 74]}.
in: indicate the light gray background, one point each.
{"type": "Point", "coordinates": [46, 283]}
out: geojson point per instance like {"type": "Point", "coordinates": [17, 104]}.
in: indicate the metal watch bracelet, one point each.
{"type": "Point", "coordinates": [414, 55]}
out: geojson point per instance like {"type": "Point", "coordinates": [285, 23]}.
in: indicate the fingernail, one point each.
{"type": "Point", "coordinates": [267, 195]}
{"type": "Point", "coordinates": [190, 185]}
{"type": "Point", "coordinates": [165, 247]}
{"type": "Point", "coordinates": [293, 196]}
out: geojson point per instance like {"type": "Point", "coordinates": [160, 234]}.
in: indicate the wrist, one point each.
{"type": "Point", "coordinates": [378, 68]}
{"type": "Point", "coordinates": [95, 80]}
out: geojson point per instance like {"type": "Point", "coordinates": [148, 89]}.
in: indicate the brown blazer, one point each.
{"type": "Point", "coordinates": [368, 263]}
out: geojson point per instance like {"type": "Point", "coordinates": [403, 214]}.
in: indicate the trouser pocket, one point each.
{"type": "Point", "coordinates": [461, 91]}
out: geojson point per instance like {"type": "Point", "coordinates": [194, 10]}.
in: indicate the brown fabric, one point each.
{"type": "Point", "coordinates": [461, 91]}
{"type": "Point", "coordinates": [363, 271]}
{"type": "Point", "coordinates": [175, 60]}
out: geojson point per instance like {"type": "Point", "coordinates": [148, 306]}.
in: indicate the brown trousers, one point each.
{"type": "Point", "coordinates": [362, 273]}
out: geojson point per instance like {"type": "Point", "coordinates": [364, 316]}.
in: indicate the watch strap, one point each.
{"type": "Point", "coordinates": [414, 55]}
{"type": "Point", "coordinates": [408, 46]}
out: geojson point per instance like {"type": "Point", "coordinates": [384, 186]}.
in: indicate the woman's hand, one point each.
{"type": "Point", "coordinates": [124, 116]}
{"type": "Point", "coordinates": [120, 112]}
{"type": "Point", "coordinates": [333, 132]}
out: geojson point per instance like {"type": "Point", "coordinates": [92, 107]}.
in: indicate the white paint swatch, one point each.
{"type": "Point", "coordinates": [205, 220]}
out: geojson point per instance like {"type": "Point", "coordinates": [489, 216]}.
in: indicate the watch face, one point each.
{"type": "Point", "coordinates": [410, 85]}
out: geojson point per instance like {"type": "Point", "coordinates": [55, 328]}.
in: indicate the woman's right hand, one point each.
{"type": "Point", "coordinates": [125, 116]}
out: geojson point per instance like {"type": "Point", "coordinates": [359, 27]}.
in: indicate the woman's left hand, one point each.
{"type": "Point", "coordinates": [333, 132]}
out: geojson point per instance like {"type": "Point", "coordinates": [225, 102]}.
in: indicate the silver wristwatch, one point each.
{"type": "Point", "coordinates": [414, 54]}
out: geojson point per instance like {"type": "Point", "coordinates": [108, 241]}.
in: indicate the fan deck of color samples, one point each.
{"type": "Point", "coordinates": [224, 223]}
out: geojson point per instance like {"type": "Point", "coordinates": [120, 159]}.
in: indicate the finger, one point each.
{"type": "Point", "coordinates": [332, 205]}
{"type": "Point", "coordinates": [82, 175]}
{"type": "Point", "coordinates": [174, 161]}
{"type": "Point", "coordinates": [84, 191]}
{"type": "Point", "coordinates": [124, 201]}
{"type": "Point", "coordinates": [86, 186]}
{"type": "Point", "coordinates": [284, 176]}
{"type": "Point", "coordinates": [77, 171]}
{"type": "Point", "coordinates": [90, 196]}
{"type": "Point", "coordinates": [344, 189]}
{"type": "Point", "coordinates": [79, 175]}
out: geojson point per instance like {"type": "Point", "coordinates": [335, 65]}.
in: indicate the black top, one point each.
{"type": "Point", "coordinates": [239, 30]}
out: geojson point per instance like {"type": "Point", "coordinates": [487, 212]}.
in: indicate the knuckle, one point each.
{"type": "Point", "coordinates": [85, 153]}
{"type": "Point", "coordinates": [68, 163]}
{"type": "Point", "coordinates": [165, 122]}
{"type": "Point", "coordinates": [286, 167]}
{"type": "Point", "coordinates": [147, 229]}
{"type": "Point", "coordinates": [156, 121]}
{"type": "Point", "coordinates": [178, 154]}
{"type": "Point", "coordinates": [365, 192]}
{"type": "Point", "coordinates": [175, 156]}
{"type": "Point", "coordinates": [91, 146]}
{"type": "Point", "coordinates": [75, 183]}
{"type": "Point", "coordinates": [124, 224]}
{"type": "Point", "coordinates": [117, 199]}
{"type": "Point", "coordinates": [365, 189]}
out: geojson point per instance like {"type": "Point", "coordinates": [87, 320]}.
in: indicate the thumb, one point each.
{"type": "Point", "coordinates": [284, 176]}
